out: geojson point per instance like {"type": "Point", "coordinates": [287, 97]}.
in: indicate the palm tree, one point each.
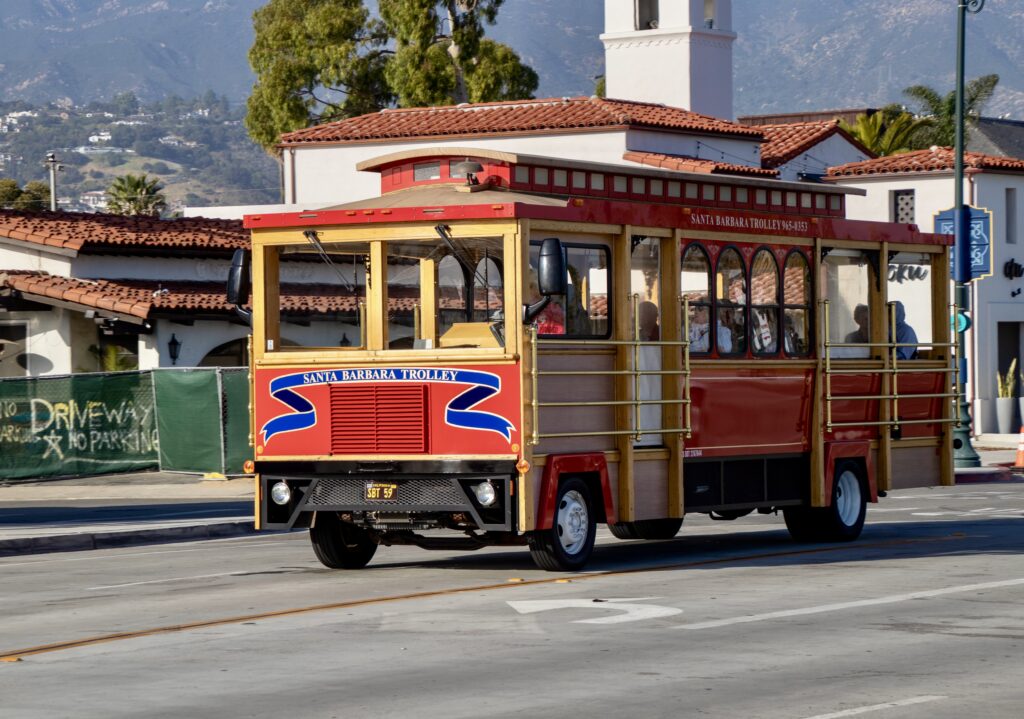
{"type": "Point", "coordinates": [942, 109]}
{"type": "Point", "coordinates": [136, 195]}
{"type": "Point", "coordinates": [888, 131]}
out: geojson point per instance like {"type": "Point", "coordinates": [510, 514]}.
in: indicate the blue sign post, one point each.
{"type": "Point", "coordinates": [980, 253]}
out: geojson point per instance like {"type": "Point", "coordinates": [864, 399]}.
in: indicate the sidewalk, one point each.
{"type": "Point", "coordinates": [121, 510]}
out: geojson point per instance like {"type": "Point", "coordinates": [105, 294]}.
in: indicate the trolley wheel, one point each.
{"type": "Point", "coordinates": [646, 529]}
{"type": "Point", "coordinates": [843, 519]}
{"type": "Point", "coordinates": [567, 545]}
{"type": "Point", "coordinates": [340, 545]}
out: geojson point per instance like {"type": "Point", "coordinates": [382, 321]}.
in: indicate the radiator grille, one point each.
{"type": "Point", "coordinates": [439, 492]}
{"type": "Point", "coordinates": [378, 419]}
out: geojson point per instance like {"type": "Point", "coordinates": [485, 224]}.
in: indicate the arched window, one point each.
{"type": "Point", "coordinates": [731, 304]}
{"type": "Point", "coordinates": [764, 304]}
{"type": "Point", "coordinates": [695, 286]}
{"type": "Point", "coordinates": [796, 301]}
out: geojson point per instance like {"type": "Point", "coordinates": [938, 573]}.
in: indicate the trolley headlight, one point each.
{"type": "Point", "coordinates": [281, 493]}
{"type": "Point", "coordinates": [486, 493]}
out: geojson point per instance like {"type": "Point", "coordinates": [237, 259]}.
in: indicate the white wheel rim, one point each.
{"type": "Point", "coordinates": [573, 522]}
{"type": "Point", "coordinates": [848, 499]}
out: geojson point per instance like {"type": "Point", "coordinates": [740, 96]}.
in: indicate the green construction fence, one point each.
{"type": "Point", "coordinates": [178, 420]}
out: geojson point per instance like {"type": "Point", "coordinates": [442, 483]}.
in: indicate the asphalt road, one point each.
{"type": "Point", "coordinates": [922, 617]}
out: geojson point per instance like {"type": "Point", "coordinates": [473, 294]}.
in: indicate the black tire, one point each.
{"type": "Point", "coordinates": [843, 519]}
{"type": "Point", "coordinates": [647, 529]}
{"type": "Point", "coordinates": [567, 545]}
{"type": "Point", "coordinates": [340, 545]}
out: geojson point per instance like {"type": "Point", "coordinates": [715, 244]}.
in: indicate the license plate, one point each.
{"type": "Point", "coordinates": [381, 491]}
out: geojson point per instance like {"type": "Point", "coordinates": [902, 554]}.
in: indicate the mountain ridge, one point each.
{"type": "Point", "coordinates": [844, 53]}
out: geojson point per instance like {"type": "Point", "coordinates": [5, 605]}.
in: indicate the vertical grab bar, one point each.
{"type": "Point", "coordinates": [894, 355]}
{"type": "Point", "coordinates": [686, 366]}
{"type": "Point", "coordinates": [535, 414]}
{"type": "Point", "coordinates": [636, 367]}
{"type": "Point", "coordinates": [826, 343]}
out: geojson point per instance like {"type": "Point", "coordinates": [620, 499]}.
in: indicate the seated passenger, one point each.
{"type": "Point", "coordinates": [731, 333]}
{"type": "Point", "coordinates": [905, 335]}
{"type": "Point", "coordinates": [700, 329]}
{"type": "Point", "coordinates": [862, 333]}
{"type": "Point", "coordinates": [551, 320]}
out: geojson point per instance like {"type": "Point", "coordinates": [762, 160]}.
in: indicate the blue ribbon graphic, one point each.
{"type": "Point", "coordinates": [458, 413]}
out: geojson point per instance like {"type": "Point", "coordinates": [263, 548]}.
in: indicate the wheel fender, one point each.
{"type": "Point", "coordinates": [850, 450]}
{"type": "Point", "coordinates": [559, 464]}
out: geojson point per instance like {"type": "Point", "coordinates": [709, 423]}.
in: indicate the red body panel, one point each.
{"type": "Point", "coordinates": [458, 423]}
{"type": "Point", "coordinates": [744, 412]}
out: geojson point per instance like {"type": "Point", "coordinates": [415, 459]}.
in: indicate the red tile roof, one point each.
{"type": "Point", "coordinates": [78, 230]}
{"type": "Point", "coordinates": [787, 141]}
{"type": "Point", "coordinates": [934, 159]}
{"type": "Point", "coordinates": [522, 116]}
{"type": "Point", "coordinates": [139, 298]}
{"type": "Point", "coordinates": [681, 163]}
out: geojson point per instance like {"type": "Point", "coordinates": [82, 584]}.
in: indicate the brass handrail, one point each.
{"type": "Point", "coordinates": [895, 369]}
{"type": "Point", "coordinates": [635, 372]}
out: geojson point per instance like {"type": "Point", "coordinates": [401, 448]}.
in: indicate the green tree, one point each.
{"type": "Point", "coordinates": [136, 195]}
{"type": "Point", "coordinates": [314, 60]}
{"type": "Point", "coordinates": [942, 108]}
{"type": "Point", "coordinates": [319, 60]}
{"type": "Point", "coordinates": [888, 131]}
{"type": "Point", "coordinates": [9, 193]}
{"type": "Point", "coordinates": [442, 57]}
{"type": "Point", "coordinates": [34, 197]}
{"type": "Point", "coordinates": [125, 104]}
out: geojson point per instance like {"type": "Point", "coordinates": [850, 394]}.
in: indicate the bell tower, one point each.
{"type": "Point", "coordinates": [675, 52]}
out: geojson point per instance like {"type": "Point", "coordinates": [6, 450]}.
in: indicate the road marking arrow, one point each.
{"type": "Point", "coordinates": [629, 611]}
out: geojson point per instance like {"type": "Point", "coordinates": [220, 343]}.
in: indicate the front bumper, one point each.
{"type": "Point", "coordinates": [421, 501]}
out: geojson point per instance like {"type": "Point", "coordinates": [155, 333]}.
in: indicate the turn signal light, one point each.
{"type": "Point", "coordinates": [249, 467]}
{"type": "Point", "coordinates": [522, 466]}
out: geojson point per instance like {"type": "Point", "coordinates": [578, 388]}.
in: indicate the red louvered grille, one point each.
{"type": "Point", "coordinates": [368, 419]}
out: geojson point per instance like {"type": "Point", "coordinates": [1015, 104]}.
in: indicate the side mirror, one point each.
{"type": "Point", "coordinates": [239, 285]}
{"type": "Point", "coordinates": [551, 275]}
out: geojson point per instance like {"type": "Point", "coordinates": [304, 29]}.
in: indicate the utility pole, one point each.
{"type": "Point", "coordinates": [963, 453]}
{"type": "Point", "coordinates": [54, 167]}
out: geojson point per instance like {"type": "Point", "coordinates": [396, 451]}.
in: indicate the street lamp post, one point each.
{"type": "Point", "coordinates": [964, 454]}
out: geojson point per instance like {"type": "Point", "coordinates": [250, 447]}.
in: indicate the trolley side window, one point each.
{"type": "Point", "coordinates": [846, 284]}
{"type": "Point", "coordinates": [910, 285]}
{"type": "Point", "coordinates": [796, 299]}
{"type": "Point", "coordinates": [764, 304]}
{"type": "Point", "coordinates": [731, 304]}
{"type": "Point", "coordinates": [695, 285]}
{"type": "Point", "coordinates": [584, 312]}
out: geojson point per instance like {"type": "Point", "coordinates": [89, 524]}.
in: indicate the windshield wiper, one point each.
{"type": "Point", "coordinates": [315, 241]}
{"type": "Point", "coordinates": [442, 231]}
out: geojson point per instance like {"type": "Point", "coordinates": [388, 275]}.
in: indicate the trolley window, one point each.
{"type": "Point", "coordinates": [796, 299]}
{"type": "Point", "coordinates": [695, 284]}
{"type": "Point", "coordinates": [910, 285]}
{"type": "Point", "coordinates": [846, 276]}
{"type": "Point", "coordinates": [584, 312]}
{"type": "Point", "coordinates": [764, 304]}
{"type": "Point", "coordinates": [731, 304]}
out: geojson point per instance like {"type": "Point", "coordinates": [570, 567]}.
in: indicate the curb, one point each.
{"type": "Point", "coordinates": [981, 475]}
{"type": "Point", "coordinates": [113, 540]}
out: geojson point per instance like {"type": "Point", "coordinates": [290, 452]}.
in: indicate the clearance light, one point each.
{"type": "Point", "coordinates": [281, 493]}
{"type": "Point", "coordinates": [486, 493]}
{"type": "Point", "coordinates": [249, 467]}
{"type": "Point", "coordinates": [523, 466]}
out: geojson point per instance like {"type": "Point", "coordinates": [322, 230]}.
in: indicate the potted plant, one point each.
{"type": "Point", "coordinates": [1006, 405]}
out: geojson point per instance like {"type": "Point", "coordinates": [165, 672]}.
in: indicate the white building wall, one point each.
{"type": "Point", "coordinates": [833, 151]}
{"type": "Point", "coordinates": [28, 259]}
{"type": "Point", "coordinates": [682, 63]}
{"type": "Point", "coordinates": [48, 345]}
{"type": "Point", "coordinates": [326, 174]}
{"type": "Point", "coordinates": [721, 149]}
